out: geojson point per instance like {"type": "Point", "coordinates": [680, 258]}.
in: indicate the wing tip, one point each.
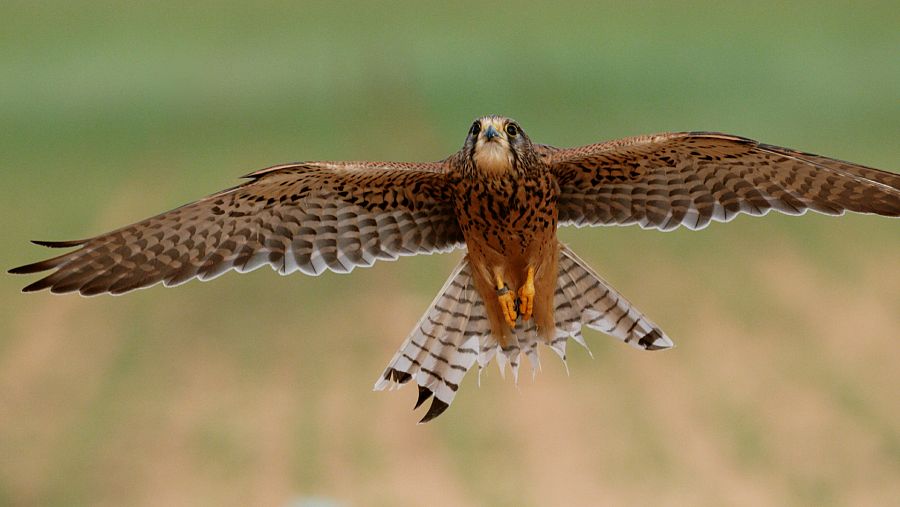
{"type": "Point", "coordinates": [22, 270]}
{"type": "Point", "coordinates": [34, 267]}
{"type": "Point", "coordinates": [39, 285]}
{"type": "Point", "coordinates": [44, 265]}
{"type": "Point", "coordinates": [59, 244]}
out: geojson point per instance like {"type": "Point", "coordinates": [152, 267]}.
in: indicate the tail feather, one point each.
{"type": "Point", "coordinates": [455, 332]}
{"type": "Point", "coordinates": [442, 347]}
{"type": "Point", "coordinates": [602, 308]}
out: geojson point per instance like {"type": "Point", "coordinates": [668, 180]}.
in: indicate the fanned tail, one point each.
{"type": "Point", "coordinates": [443, 345]}
{"type": "Point", "coordinates": [455, 333]}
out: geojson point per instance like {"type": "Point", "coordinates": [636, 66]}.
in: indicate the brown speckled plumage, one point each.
{"type": "Point", "coordinates": [502, 198]}
{"type": "Point", "coordinates": [509, 222]}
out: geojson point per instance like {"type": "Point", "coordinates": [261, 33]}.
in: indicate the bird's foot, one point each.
{"type": "Point", "coordinates": [526, 296]}
{"type": "Point", "coordinates": [508, 305]}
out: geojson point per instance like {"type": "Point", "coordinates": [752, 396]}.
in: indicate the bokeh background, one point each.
{"type": "Point", "coordinates": [256, 389]}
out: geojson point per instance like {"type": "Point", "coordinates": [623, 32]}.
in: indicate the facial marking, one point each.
{"type": "Point", "coordinates": [495, 155]}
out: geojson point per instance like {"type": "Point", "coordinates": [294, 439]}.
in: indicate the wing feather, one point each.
{"type": "Point", "coordinates": [692, 178]}
{"type": "Point", "coordinates": [310, 217]}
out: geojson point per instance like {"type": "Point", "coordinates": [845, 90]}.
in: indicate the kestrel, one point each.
{"type": "Point", "coordinates": [500, 197]}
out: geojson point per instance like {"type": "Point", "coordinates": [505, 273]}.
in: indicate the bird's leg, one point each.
{"type": "Point", "coordinates": [507, 301]}
{"type": "Point", "coordinates": [526, 296]}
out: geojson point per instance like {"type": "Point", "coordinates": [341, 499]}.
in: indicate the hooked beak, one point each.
{"type": "Point", "coordinates": [491, 133]}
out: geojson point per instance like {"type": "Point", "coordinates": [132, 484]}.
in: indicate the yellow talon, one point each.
{"type": "Point", "coordinates": [526, 296]}
{"type": "Point", "coordinates": [507, 302]}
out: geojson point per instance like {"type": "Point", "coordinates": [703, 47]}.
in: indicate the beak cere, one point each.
{"type": "Point", "coordinates": [491, 133]}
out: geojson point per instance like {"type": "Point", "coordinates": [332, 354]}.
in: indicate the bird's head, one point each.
{"type": "Point", "coordinates": [497, 145]}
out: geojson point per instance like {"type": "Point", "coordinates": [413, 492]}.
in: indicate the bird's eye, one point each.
{"type": "Point", "coordinates": [511, 129]}
{"type": "Point", "coordinates": [476, 128]}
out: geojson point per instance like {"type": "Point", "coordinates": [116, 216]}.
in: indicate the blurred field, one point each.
{"type": "Point", "coordinates": [256, 389]}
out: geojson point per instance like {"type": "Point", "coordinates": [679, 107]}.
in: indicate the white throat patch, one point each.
{"type": "Point", "coordinates": [493, 156]}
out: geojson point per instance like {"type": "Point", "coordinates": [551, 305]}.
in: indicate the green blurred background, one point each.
{"type": "Point", "coordinates": [256, 389]}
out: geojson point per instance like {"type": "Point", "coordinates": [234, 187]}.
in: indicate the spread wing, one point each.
{"type": "Point", "coordinates": [690, 178]}
{"type": "Point", "coordinates": [309, 217]}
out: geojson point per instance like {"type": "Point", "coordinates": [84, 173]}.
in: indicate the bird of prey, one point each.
{"type": "Point", "coordinates": [501, 197]}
